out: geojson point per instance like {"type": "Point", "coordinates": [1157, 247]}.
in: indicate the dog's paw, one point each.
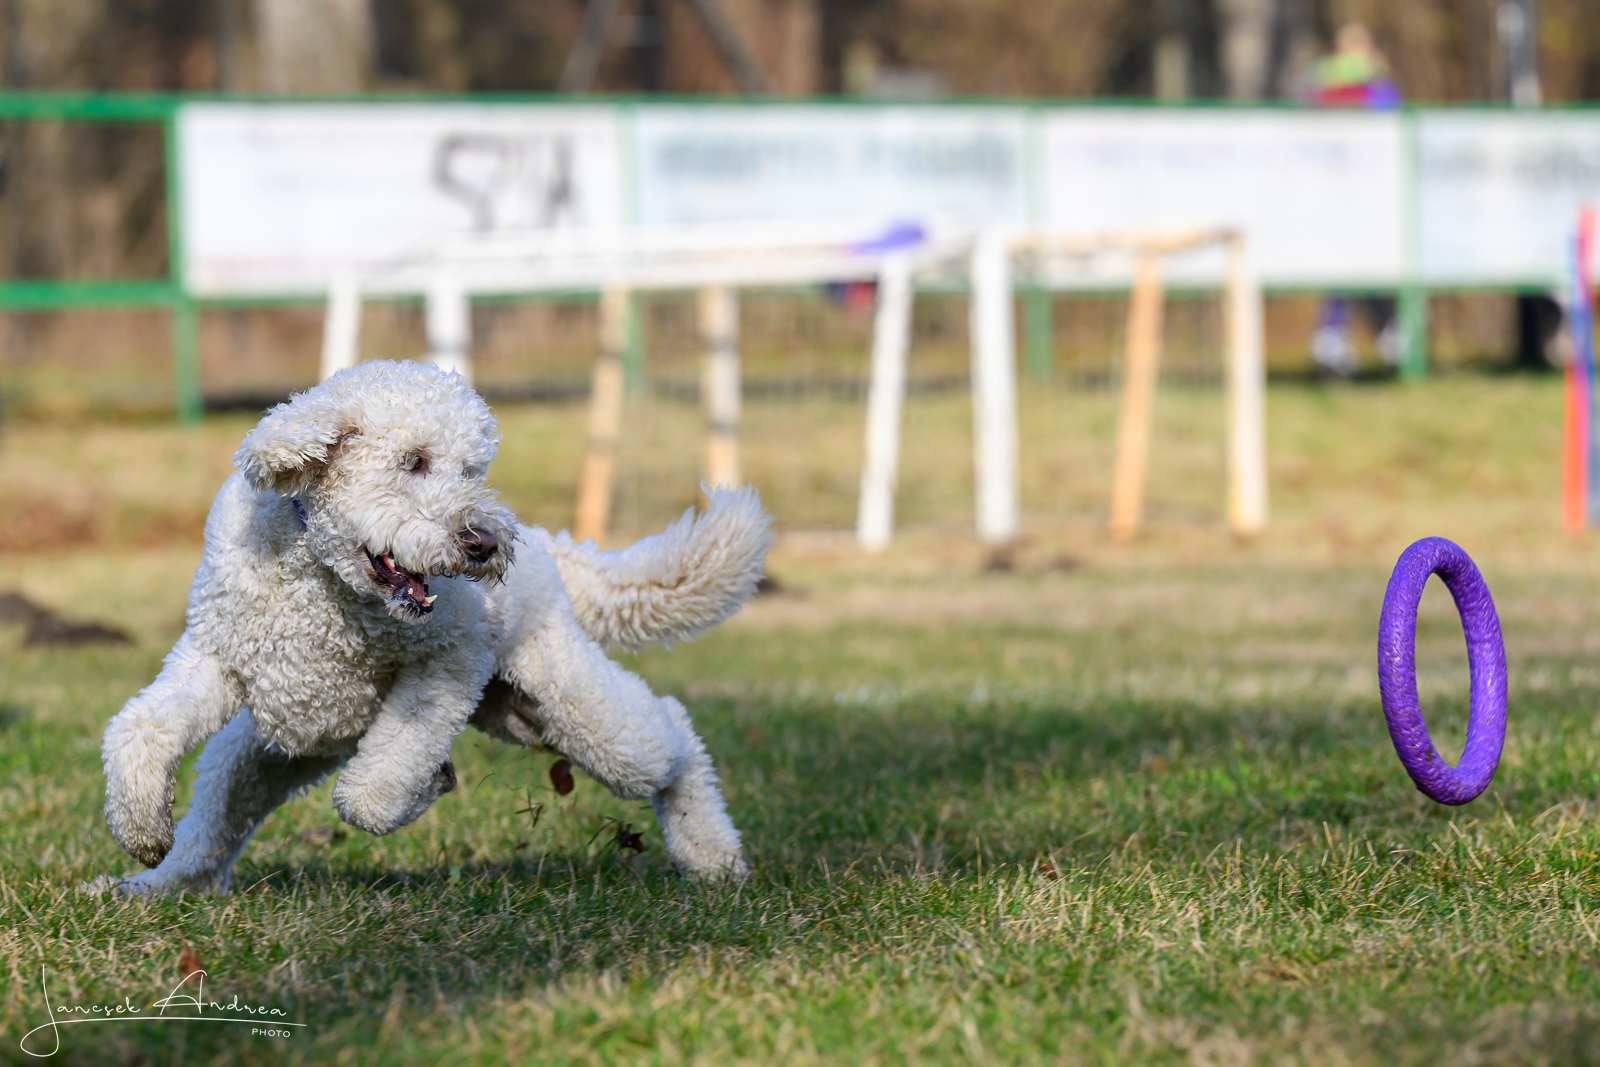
{"type": "Point", "coordinates": [158, 883]}
{"type": "Point", "coordinates": [702, 868]}
{"type": "Point", "coordinates": [98, 887]}
{"type": "Point", "coordinates": [141, 823]}
{"type": "Point", "coordinates": [374, 805]}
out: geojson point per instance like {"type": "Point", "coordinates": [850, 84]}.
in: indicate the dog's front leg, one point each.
{"type": "Point", "coordinates": [241, 781]}
{"type": "Point", "coordinates": [189, 701]}
{"type": "Point", "coordinates": [402, 763]}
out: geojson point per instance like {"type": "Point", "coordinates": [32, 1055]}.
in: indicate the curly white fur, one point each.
{"type": "Point", "coordinates": [358, 604]}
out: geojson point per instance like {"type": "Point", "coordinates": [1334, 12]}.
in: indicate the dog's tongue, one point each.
{"type": "Point", "coordinates": [408, 584]}
{"type": "Point", "coordinates": [405, 583]}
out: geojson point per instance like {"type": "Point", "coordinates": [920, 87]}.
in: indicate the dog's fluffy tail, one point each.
{"type": "Point", "coordinates": [674, 585]}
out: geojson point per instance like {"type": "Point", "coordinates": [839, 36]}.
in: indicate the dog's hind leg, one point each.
{"type": "Point", "coordinates": [607, 721]}
{"type": "Point", "coordinates": [241, 781]}
{"type": "Point", "coordinates": [188, 702]}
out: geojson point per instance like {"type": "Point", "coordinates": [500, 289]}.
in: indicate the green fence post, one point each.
{"type": "Point", "coordinates": [1038, 317]}
{"type": "Point", "coordinates": [185, 314]}
{"type": "Point", "coordinates": [1413, 322]}
{"type": "Point", "coordinates": [1412, 311]}
{"type": "Point", "coordinates": [186, 359]}
{"type": "Point", "coordinates": [633, 378]}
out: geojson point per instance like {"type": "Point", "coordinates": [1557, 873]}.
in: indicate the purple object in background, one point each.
{"type": "Point", "coordinates": [897, 237]}
{"type": "Point", "coordinates": [1397, 671]}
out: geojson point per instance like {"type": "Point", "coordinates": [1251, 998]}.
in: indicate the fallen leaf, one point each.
{"type": "Point", "coordinates": [561, 776]}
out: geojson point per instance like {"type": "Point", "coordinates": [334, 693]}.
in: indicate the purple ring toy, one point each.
{"type": "Point", "coordinates": [1397, 671]}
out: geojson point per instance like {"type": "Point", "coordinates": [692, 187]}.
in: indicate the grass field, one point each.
{"type": "Point", "coordinates": [1123, 804]}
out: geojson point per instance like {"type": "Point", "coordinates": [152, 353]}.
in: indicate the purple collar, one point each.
{"type": "Point", "coordinates": [299, 509]}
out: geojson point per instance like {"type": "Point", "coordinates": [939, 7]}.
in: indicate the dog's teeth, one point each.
{"type": "Point", "coordinates": [430, 599]}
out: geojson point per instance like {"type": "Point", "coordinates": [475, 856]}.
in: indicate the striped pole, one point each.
{"type": "Point", "coordinates": [1583, 342]}
{"type": "Point", "coordinates": [1580, 469]}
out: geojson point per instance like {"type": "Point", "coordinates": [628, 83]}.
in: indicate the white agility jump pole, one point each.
{"type": "Point", "coordinates": [448, 314]}
{"type": "Point", "coordinates": [891, 338]}
{"type": "Point", "coordinates": [341, 327]}
{"type": "Point", "coordinates": [994, 390]}
{"type": "Point", "coordinates": [994, 396]}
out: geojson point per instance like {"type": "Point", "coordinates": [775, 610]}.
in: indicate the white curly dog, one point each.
{"type": "Point", "coordinates": [357, 606]}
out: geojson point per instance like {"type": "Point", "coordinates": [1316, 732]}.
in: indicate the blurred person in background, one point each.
{"type": "Point", "coordinates": [1355, 75]}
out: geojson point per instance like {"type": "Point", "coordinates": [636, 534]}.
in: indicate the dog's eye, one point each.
{"type": "Point", "coordinates": [414, 463]}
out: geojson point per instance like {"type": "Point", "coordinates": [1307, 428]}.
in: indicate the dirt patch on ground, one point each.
{"type": "Point", "coordinates": [42, 526]}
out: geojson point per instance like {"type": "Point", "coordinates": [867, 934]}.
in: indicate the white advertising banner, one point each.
{"type": "Point", "coordinates": [777, 163]}
{"type": "Point", "coordinates": [278, 199]}
{"type": "Point", "coordinates": [1500, 194]}
{"type": "Point", "coordinates": [1319, 193]}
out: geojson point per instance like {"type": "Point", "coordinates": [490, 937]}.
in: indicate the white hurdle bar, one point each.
{"type": "Point", "coordinates": [886, 389]}
{"type": "Point", "coordinates": [718, 262]}
{"type": "Point", "coordinates": [994, 391]}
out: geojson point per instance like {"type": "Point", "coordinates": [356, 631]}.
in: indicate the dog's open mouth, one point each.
{"type": "Point", "coordinates": [406, 588]}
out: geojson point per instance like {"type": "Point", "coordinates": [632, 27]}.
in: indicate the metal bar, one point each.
{"type": "Point", "coordinates": [186, 360]}
{"type": "Point", "coordinates": [185, 314]}
{"type": "Point", "coordinates": [89, 107]}
{"type": "Point", "coordinates": [1039, 327]}
{"type": "Point", "coordinates": [341, 327]}
{"type": "Point", "coordinates": [1412, 312]}
{"type": "Point", "coordinates": [447, 316]}
{"type": "Point", "coordinates": [891, 336]}
{"type": "Point", "coordinates": [633, 367]}
{"type": "Point", "coordinates": [51, 295]}
{"type": "Point", "coordinates": [994, 391]}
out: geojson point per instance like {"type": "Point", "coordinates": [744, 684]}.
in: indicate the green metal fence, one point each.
{"type": "Point", "coordinates": [161, 110]}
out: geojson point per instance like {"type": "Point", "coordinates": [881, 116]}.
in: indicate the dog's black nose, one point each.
{"type": "Point", "coordinates": [479, 545]}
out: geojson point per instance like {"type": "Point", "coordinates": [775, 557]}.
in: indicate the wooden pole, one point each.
{"type": "Point", "coordinates": [1138, 396]}
{"type": "Point", "coordinates": [605, 419]}
{"type": "Point", "coordinates": [719, 330]}
{"type": "Point", "coordinates": [1247, 400]}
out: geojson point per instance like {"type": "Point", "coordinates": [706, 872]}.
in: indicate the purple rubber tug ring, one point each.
{"type": "Point", "coordinates": [1397, 671]}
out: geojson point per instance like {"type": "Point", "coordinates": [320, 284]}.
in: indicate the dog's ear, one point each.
{"type": "Point", "coordinates": [291, 448]}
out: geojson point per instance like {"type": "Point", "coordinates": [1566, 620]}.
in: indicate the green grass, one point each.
{"type": "Point", "coordinates": [1136, 809]}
